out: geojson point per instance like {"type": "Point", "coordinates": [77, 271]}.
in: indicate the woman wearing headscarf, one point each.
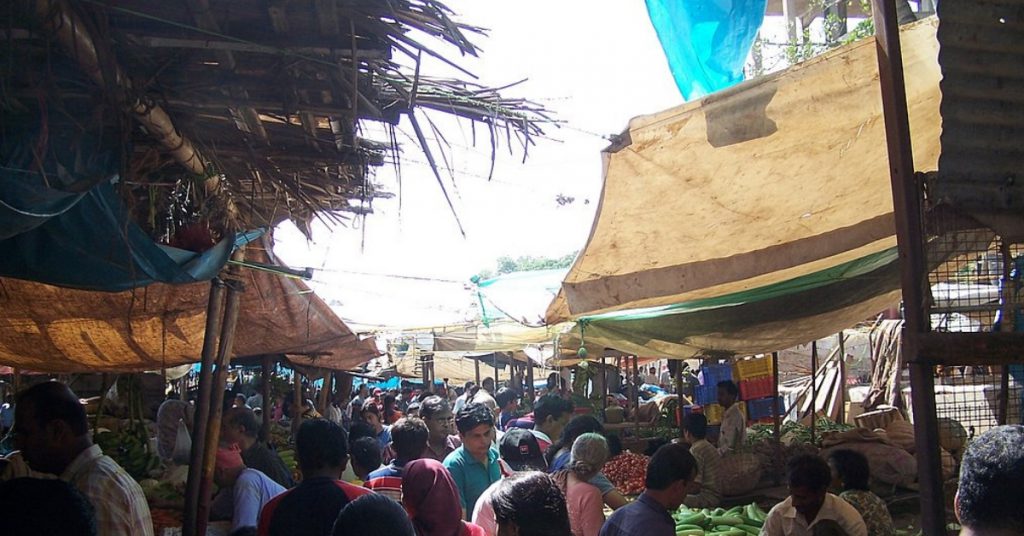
{"type": "Point", "coordinates": [586, 509]}
{"type": "Point", "coordinates": [432, 500]}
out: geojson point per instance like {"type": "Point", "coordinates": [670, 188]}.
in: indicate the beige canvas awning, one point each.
{"type": "Point", "coordinates": [777, 178]}
{"type": "Point", "coordinates": [59, 330]}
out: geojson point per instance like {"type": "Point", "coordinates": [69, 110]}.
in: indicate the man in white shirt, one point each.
{"type": "Point", "coordinates": [733, 432]}
{"type": "Point", "coordinates": [651, 377]}
{"type": "Point", "coordinates": [246, 490]}
{"type": "Point", "coordinates": [465, 397]}
{"type": "Point", "coordinates": [810, 509]}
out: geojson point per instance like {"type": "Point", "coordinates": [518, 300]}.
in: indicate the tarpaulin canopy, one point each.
{"type": "Point", "coordinates": [706, 43]}
{"type": "Point", "coordinates": [502, 336]}
{"type": "Point", "coordinates": [59, 330]}
{"type": "Point", "coordinates": [777, 179]}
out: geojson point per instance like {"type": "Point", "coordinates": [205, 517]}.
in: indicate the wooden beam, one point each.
{"type": "Point", "coordinates": [976, 349]}
{"type": "Point", "coordinates": [906, 196]}
{"type": "Point", "coordinates": [281, 47]}
{"type": "Point", "coordinates": [267, 363]}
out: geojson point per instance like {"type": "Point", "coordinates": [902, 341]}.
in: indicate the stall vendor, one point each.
{"type": "Point", "coordinates": [733, 432]}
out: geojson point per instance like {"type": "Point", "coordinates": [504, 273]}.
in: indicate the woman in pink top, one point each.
{"type": "Point", "coordinates": [586, 507]}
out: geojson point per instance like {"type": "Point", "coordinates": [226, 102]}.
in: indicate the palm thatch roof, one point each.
{"type": "Point", "coordinates": [241, 113]}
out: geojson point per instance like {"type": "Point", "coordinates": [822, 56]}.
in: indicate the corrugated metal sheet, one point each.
{"type": "Point", "coordinates": [981, 55]}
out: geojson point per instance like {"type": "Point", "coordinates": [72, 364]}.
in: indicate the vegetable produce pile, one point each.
{"type": "Point", "coordinates": [736, 521]}
{"type": "Point", "coordinates": [627, 471]}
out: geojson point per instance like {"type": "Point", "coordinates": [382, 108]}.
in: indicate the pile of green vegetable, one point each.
{"type": "Point", "coordinates": [736, 521]}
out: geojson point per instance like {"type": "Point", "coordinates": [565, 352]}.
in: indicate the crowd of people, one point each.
{"type": "Point", "coordinates": [432, 471]}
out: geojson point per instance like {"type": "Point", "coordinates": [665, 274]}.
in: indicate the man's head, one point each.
{"type": "Point", "coordinates": [727, 393]}
{"type": "Point", "coordinates": [373, 513]}
{"type": "Point", "coordinates": [241, 426]}
{"type": "Point", "coordinates": [530, 504]}
{"type": "Point", "coordinates": [652, 370]}
{"type": "Point", "coordinates": [507, 399]}
{"type": "Point", "coordinates": [239, 400]}
{"type": "Point", "coordinates": [850, 470]}
{"type": "Point", "coordinates": [989, 500]}
{"type": "Point", "coordinates": [808, 477]}
{"type": "Point", "coordinates": [695, 427]}
{"type": "Point", "coordinates": [364, 391]}
{"type": "Point", "coordinates": [371, 414]}
{"type": "Point", "coordinates": [409, 439]}
{"type": "Point", "coordinates": [551, 413]}
{"type": "Point", "coordinates": [228, 467]}
{"type": "Point", "coordinates": [36, 506]}
{"type": "Point", "coordinates": [321, 448]}
{"type": "Point", "coordinates": [476, 429]}
{"type": "Point", "coordinates": [488, 385]}
{"type": "Point", "coordinates": [366, 456]}
{"type": "Point", "coordinates": [437, 413]}
{"type": "Point", "coordinates": [50, 426]}
{"type": "Point", "coordinates": [669, 474]}
{"type": "Point", "coordinates": [413, 409]}
{"type": "Point", "coordinates": [552, 383]}
{"type": "Point", "coordinates": [466, 387]}
{"type": "Point", "coordinates": [521, 451]}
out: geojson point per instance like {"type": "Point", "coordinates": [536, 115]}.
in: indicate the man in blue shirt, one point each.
{"type": "Point", "coordinates": [474, 465]}
{"type": "Point", "coordinates": [669, 474]}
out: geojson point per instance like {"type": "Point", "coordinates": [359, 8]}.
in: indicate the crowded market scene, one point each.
{"type": "Point", "coordinates": [461, 268]}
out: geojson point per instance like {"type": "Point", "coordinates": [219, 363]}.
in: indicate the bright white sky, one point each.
{"type": "Point", "coordinates": [595, 64]}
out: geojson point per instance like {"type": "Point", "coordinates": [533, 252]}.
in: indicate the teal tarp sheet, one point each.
{"type": "Point", "coordinates": [706, 42]}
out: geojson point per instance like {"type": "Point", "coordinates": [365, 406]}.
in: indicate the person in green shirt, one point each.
{"type": "Point", "coordinates": [474, 465]}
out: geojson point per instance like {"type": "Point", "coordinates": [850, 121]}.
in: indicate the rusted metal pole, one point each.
{"type": "Point", "coordinates": [267, 363]}
{"type": "Point", "coordinates": [906, 197]}
{"type": "Point", "coordinates": [227, 339]}
{"type": "Point", "coordinates": [214, 317]}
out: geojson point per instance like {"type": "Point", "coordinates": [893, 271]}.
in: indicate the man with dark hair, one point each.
{"type": "Point", "coordinates": [550, 414]}
{"type": "Point", "coordinates": [508, 401]}
{"type": "Point", "coordinates": [989, 500]}
{"type": "Point", "coordinates": [241, 427]}
{"type": "Point", "coordinates": [355, 407]}
{"type": "Point", "coordinates": [366, 458]}
{"type": "Point", "coordinates": [441, 441]}
{"type": "Point", "coordinates": [695, 431]}
{"type": "Point", "coordinates": [733, 432]}
{"type": "Point", "coordinates": [53, 436]}
{"type": "Point", "coordinates": [372, 415]}
{"type": "Point", "coordinates": [242, 491]}
{"type": "Point", "coordinates": [373, 514]}
{"type": "Point", "coordinates": [409, 439]}
{"type": "Point", "coordinates": [464, 398]}
{"type": "Point", "coordinates": [810, 508]}
{"type": "Point", "coordinates": [321, 447]}
{"type": "Point", "coordinates": [669, 474]}
{"type": "Point", "coordinates": [36, 506]}
{"type": "Point", "coordinates": [474, 465]}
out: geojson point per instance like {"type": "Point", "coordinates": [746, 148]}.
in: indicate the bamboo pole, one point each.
{"type": "Point", "coordinates": [297, 402]}
{"type": "Point", "coordinates": [226, 343]}
{"type": "Point", "coordinates": [636, 392]}
{"type": "Point", "coordinates": [814, 388]}
{"type": "Point", "coordinates": [494, 357]}
{"type": "Point", "coordinates": [604, 389]}
{"type": "Point", "coordinates": [214, 313]}
{"type": "Point", "coordinates": [325, 392]}
{"type": "Point", "coordinates": [529, 381]}
{"type": "Point", "coordinates": [267, 363]}
{"type": "Point", "coordinates": [776, 430]}
{"type": "Point", "coordinates": [842, 378]}
{"type": "Point", "coordinates": [476, 366]}
{"type": "Point", "coordinates": [679, 394]}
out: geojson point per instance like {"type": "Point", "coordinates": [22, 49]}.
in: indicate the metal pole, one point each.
{"type": "Point", "coordinates": [679, 393]}
{"type": "Point", "coordinates": [842, 378]}
{"type": "Point", "coordinates": [214, 314]}
{"type": "Point", "coordinates": [1007, 316]}
{"type": "Point", "coordinates": [636, 392]}
{"type": "Point", "coordinates": [776, 418]}
{"type": "Point", "coordinates": [267, 363]}
{"type": "Point", "coordinates": [907, 211]}
{"type": "Point", "coordinates": [227, 338]}
{"type": "Point", "coordinates": [604, 389]}
{"type": "Point", "coordinates": [814, 388]}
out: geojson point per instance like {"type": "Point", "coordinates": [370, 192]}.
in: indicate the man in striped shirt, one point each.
{"type": "Point", "coordinates": [709, 462]}
{"type": "Point", "coordinates": [409, 439]}
{"type": "Point", "coordinates": [53, 436]}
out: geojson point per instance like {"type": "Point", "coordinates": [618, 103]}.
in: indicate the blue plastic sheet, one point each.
{"type": "Point", "coordinates": [706, 42]}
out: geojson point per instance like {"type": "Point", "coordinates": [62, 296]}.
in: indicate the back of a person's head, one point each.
{"type": "Point", "coordinates": [488, 384]}
{"type": "Point", "coordinates": [409, 438]}
{"type": "Point", "coordinates": [579, 425]}
{"type": "Point", "coordinates": [550, 405]}
{"type": "Point", "coordinates": [473, 415]}
{"type": "Point", "coordinates": [697, 425]}
{"type": "Point", "coordinates": [366, 452]}
{"type": "Point", "coordinates": [432, 405]}
{"type": "Point", "coordinates": [852, 468]}
{"type": "Point", "coordinates": [730, 387]}
{"type": "Point", "coordinates": [504, 396]}
{"type": "Point", "coordinates": [320, 444]}
{"type": "Point", "coordinates": [808, 471]}
{"type": "Point", "coordinates": [244, 417]}
{"type": "Point", "coordinates": [373, 513]}
{"type": "Point", "coordinates": [360, 429]}
{"type": "Point", "coordinates": [588, 455]}
{"type": "Point", "coordinates": [53, 401]}
{"type": "Point", "coordinates": [533, 503]}
{"type": "Point", "coordinates": [989, 499]}
{"type": "Point", "coordinates": [670, 463]}
{"type": "Point", "coordinates": [34, 506]}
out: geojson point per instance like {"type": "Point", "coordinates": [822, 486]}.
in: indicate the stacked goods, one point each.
{"type": "Point", "coordinates": [761, 409]}
{"type": "Point", "coordinates": [710, 374]}
{"type": "Point", "coordinates": [130, 448]}
{"type": "Point", "coordinates": [757, 385]}
{"type": "Point", "coordinates": [714, 412]}
{"type": "Point", "coordinates": [736, 521]}
{"type": "Point", "coordinates": [628, 472]}
{"type": "Point", "coordinates": [901, 434]}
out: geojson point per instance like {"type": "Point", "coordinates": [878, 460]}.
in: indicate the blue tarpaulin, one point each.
{"type": "Point", "coordinates": [706, 42]}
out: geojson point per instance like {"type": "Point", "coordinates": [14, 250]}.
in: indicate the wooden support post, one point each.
{"type": "Point", "coordinates": [476, 366]}
{"type": "Point", "coordinates": [220, 377]}
{"type": "Point", "coordinates": [906, 194]}
{"type": "Point", "coordinates": [494, 356]}
{"type": "Point", "coordinates": [842, 378]}
{"type": "Point", "coordinates": [297, 402]}
{"type": "Point", "coordinates": [201, 419]}
{"type": "Point", "coordinates": [1008, 320]}
{"type": "Point", "coordinates": [776, 428]}
{"type": "Point", "coordinates": [604, 389]}
{"type": "Point", "coordinates": [529, 381]}
{"type": "Point", "coordinates": [636, 392]}
{"type": "Point", "coordinates": [679, 394]}
{"type": "Point", "coordinates": [424, 371]}
{"type": "Point", "coordinates": [814, 389]}
{"type": "Point", "coordinates": [267, 363]}
{"type": "Point", "coordinates": [17, 380]}
{"type": "Point", "coordinates": [325, 392]}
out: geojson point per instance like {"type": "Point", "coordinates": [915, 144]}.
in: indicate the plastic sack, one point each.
{"type": "Point", "coordinates": [182, 445]}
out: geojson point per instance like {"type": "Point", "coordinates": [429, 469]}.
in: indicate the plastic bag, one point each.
{"type": "Point", "coordinates": [182, 445]}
